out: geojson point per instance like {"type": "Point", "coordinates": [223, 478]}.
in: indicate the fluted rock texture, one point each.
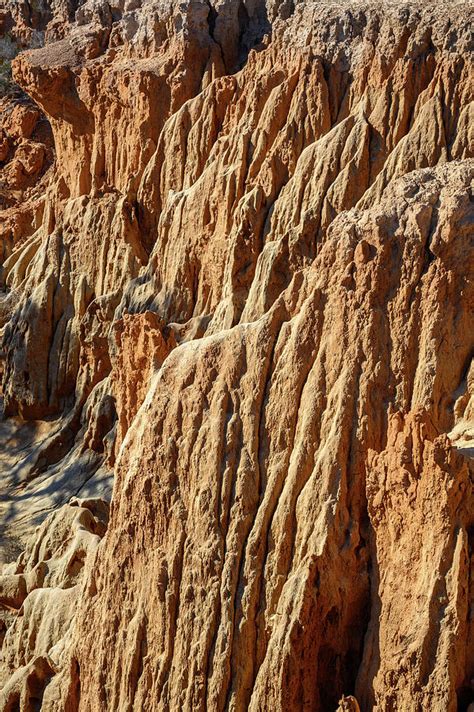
{"type": "Point", "coordinates": [238, 290]}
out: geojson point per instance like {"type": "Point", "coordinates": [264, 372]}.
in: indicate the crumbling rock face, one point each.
{"type": "Point", "coordinates": [283, 550]}
{"type": "Point", "coordinates": [420, 506]}
{"type": "Point", "coordinates": [25, 156]}
{"type": "Point", "coordinates": [245, 293]}
{"type": "Point", "coordinates": [40, 591]}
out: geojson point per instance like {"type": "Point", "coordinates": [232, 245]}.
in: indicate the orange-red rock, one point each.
{"type": "Point", "coordinates": [244, 290]}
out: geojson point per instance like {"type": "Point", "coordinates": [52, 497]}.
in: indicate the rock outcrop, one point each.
{"type": "Point", "coordinates": [238, 302]}
{"type": "Point", "coordinates": [40, 591]}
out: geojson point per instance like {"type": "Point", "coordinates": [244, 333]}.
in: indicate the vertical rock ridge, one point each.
{"type": "Point", "coordinates": [237, 289]}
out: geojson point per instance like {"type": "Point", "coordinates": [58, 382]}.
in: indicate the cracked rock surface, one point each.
{"type": "Point", "coordinates": [237, 375]}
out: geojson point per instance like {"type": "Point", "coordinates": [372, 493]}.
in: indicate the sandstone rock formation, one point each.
{"type": "Point", "coordinates": [238, 303]}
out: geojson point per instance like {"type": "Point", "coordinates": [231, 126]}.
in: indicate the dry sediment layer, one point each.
{"type": "Point", "coordinates": [246, 292]}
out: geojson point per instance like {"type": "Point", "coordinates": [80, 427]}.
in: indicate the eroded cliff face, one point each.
{"type": "Point", "coordinates": [239, 304]}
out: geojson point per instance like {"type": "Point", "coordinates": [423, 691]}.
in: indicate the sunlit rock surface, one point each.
{"type": "Point", "coordinates": [236, 309]}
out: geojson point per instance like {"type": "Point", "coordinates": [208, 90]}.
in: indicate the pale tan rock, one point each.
{"type": "Point", "coordinates": [246, 286]}
{"type": "Point", "coordinates": [48, 576]}
{"type": "Point", "coordinates": [348, 704]}
{"type": "Point", "coordinates": [219, 400]}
